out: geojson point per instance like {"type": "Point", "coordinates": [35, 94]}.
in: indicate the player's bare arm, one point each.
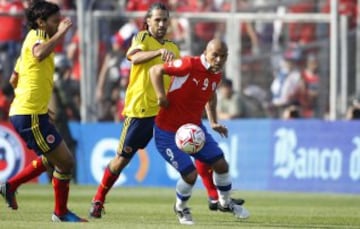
{"type": "Point", "coordinates": [139, 57]}
{"type": "Point", "coordinates": [210, 108]}
{"type": "Point", "coordinates": [156, 76]}
{"type": "Point", "coordinates": [43, 50]}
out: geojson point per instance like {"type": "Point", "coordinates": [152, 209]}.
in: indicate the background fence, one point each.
{"type": "Point", "coordinates": [248, 65]}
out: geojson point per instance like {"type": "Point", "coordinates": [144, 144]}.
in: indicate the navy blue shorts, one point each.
{"type": "Point", "coordinates": [182, 162]}
{"type": "Point", "coordinates": [136, 134]}
{"type": "Point", "coordinates": [39, 134]}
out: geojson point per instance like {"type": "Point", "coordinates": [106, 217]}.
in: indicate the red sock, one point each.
{"type": "Point", "coordinates": [61, 185]}
{"type": "Point", "coordinates": [206, 173]}
{"type": "Point", "coordinates": [107, 182]}
{"type": "Point", "coordinates": [32, 170]}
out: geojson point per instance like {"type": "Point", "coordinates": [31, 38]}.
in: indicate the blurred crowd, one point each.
{"type": "Point", "coordinates": [293, 89]}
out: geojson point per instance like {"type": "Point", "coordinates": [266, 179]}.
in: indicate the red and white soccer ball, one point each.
{"type": "Point", "coordinates": [190, 138]}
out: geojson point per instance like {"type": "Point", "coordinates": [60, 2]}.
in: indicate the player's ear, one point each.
{"type": "Point", "coordinates": [40, 23]}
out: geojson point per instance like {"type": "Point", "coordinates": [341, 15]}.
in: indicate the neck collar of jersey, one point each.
{"type": "Point", "coordinates": [204, 62]}
{"type": "Point", "coordinates": [42, 33]}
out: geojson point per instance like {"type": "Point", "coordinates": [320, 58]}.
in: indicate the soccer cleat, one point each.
{"type": "Point", "coordinates": [68, 217]}
{"type": "Point", "coordinates": [238, 201]}
{"type": "Point", "coordinates": [96, 209]}
{"type": "Point", "coordinates": [8, 196]}
{"type": "Point", "coordinates": [184, 216]}
{"type": "Point", "coordinates": [213, 204]}
{"type": "Point", "coordinates": [238, 210]}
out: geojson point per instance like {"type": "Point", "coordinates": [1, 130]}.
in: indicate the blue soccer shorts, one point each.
{"type": "Point", "coordinates": [182, 162]}
{"type": "Point", "coordinates": [136, 134]}
{"type": "Point", "coordinates": [37, 131]}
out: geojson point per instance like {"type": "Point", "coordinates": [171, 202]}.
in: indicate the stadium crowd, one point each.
{"type": "Point", "coordinates": [292, 76]}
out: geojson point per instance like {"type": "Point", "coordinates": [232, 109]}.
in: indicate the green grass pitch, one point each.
{"type": "Point", "coordinates": [141, 207]}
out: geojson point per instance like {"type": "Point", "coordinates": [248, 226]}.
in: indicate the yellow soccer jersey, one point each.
{"type": "Point", "coordinates": [141, 100]}
{"type": "Point", "coordinates": [35, 82]}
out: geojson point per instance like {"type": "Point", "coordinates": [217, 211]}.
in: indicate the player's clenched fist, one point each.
{"type": "Point", "coordinates": [65, 25]}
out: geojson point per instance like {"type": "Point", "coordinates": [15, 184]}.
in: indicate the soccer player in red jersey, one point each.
{"type": "Point", "coordinates": [194, 81]}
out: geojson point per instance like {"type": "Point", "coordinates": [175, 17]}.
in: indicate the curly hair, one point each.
{"type": "Point", "coordinates": [40, 10]}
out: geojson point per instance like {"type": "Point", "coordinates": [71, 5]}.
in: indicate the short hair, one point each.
{"type": "Point", "coordinates": [226, 82]}
{"type": "Point", "coordinates": [40, 9]}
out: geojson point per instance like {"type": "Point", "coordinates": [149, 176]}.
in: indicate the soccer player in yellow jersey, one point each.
{"type": "Point", "coordinates": [29, 114]}
{"type": "Point", "coordinates": [148, 47]}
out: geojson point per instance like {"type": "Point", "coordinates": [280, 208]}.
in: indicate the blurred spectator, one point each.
{"type": "Point", "coordinates": [291, 112]}
{"type": "Point", "coordinates": [62, 105]}
{"type": "Point", "coordinates": [230, 104]}
{"type": "Point", "coordinates": [309, 88]}
{"type": "Point", "coordinates": [264, 30]}
{"type": "Point", "coordinates": [117, 105]}
{"type": "Point", "coordinates": [73, 54]}
{"type": "Point", "coordinates": [301, 32]}
{"type": "Point", "coordinates": [249, 38]}
{"type": "Point", "coordinates": [125, 66]}
{"type": "Point", "coordinates": [353, 112]}
{"type": "Point", "coordinates": [287, 82]}
{"type": "Point", "coordinates": [6, 95]}
{"type": "Point", "coordinates": [63, 102]}
{"type": "Point", "coordinates": [11, 34]}
{"type": "Point", "coordinates": [255, 99]}
{"type": "Point", "coordinates": [112, 72]}
{"type": "Point", "coordinates": [60, 47]}
{"type": "Point", "coordinates": [179, 27]}
{"type": "Point", "coordinates": [346, 7]}
{"type": "Point", "coordinates": [202, 31]}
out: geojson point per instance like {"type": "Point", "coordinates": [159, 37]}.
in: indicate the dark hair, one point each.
{"type": "Point", "coordinates": [226, 82]}
{"type": "Point", "coordinates": [355, 113]}
{"type": "Point", "coordinates": [40, 10]}
{"type": "Point", "coordinates": [154, 6]}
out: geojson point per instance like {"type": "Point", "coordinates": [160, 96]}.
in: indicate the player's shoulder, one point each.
{"type": "Point", "coordinates": [167, 41]}
{"type": "Point", "coordinates": [36, 36]}
{"type": "Point", "coordinates": [141, 36]}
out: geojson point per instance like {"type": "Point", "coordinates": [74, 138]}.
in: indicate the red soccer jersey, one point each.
{"type": "Point", "coordinates": [191, 88]}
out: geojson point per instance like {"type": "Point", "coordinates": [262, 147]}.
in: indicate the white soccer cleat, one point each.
{"type": "Point", "coordinates": [240, 212]}
{"type": "Point", "coordinates": [184, 216]}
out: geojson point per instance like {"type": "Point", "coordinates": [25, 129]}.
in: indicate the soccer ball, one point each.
{"type": "Point", "coordinates": [190, 138]}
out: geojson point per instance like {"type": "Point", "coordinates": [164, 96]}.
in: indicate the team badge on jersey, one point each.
{"type": "Point", "coordinates": [12, 153]}
{"type": "Point", "coordinates": [50, 139]}
{"type": "Point", "coordinates": [177, 63]}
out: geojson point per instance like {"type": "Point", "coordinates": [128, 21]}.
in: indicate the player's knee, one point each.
{"type": "Point", "coordinates": [221, 166]}
{"type": "Point", "coordinates": [67, 166]}
{"type": "Point", "coordinates": [190, 178]}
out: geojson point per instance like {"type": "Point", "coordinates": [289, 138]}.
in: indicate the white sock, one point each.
{"type": "Point", "coordinates": [223, 185]}
{"type": "Point", "coordinates": [183, 194]}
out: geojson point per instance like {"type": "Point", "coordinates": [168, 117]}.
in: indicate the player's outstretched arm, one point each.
{"type": "Point", "coordinates": [43, 50]}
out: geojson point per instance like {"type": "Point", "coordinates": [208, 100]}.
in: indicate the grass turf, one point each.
{"type": "Point", "coordinates": [140, 207]}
